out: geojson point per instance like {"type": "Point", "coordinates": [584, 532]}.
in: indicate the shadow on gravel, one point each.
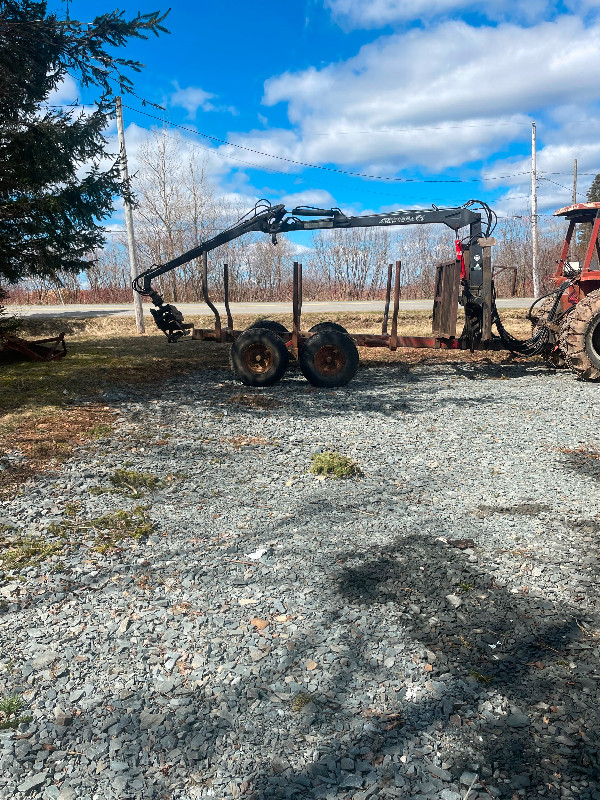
{"type": "Point", "coordinates": [583, 461]}
{"type": "Point", "coordinates": [540, 656]}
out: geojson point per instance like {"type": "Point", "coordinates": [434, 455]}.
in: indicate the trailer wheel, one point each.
{"type": "Point", "coordinates": [329, 358]}
{"type": "Point", "coordinates": [581, 337]}
{"type": "Point", "coordinates": [269, 325]}
{"type": "Point", "coordinates": [259, 357]}
{"type": "Point", "coordinates": [327, 326]}
{"type": "Point", "coordinates": [552, 354]}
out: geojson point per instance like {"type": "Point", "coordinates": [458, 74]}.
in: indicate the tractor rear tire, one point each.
{"type": "Point", "coordinates": [329, 359]}
{"type": "Point", "coordinates": [552, 354]}
{"type": "Point", "coordinates": [327, 326]}
{"type": "Point", "coordinates": [580, 339]}
{"type": "Point", "coordinates": [259, 357]}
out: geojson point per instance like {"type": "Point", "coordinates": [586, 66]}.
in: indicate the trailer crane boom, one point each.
{"type": "Point", "coordinates": [275, 219]}
{"type": "Point", "coordinates": [328, 354]}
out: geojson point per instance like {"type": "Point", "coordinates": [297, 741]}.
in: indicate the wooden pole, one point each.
{"type": "Point", "coordinates": [534, 226]}
{"type": "Point", "coordinates": [574, 181]}
{"type": "Point", "coordinates": [133, 270]}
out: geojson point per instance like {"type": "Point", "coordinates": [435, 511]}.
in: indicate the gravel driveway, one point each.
{"type": "Point", "coordinates": [429, 626]}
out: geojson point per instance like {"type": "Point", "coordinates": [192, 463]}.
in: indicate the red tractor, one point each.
{"type": "Point", "coordinates": [571, 313]}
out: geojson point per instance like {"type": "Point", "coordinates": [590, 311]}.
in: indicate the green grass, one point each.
{"type": "Point", "coordinates": [129, 482]}
{"type": "Point", "coordinates": [25, 551]}
{"type": "Point", "coordinates": [10, 708]}
{"type": "Point", "coordinates": [300, 700]}
{"type": "Point", "coordinates": [332, 464]}
{"type": "Point", "coordinates": [108, 531]}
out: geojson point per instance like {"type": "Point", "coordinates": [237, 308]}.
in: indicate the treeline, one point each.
{"type": "Point", "coordinates": [179, 207]}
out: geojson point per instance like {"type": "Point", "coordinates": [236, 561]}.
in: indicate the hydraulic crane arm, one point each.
{"type": "Point", "coordinates": [273, 220]}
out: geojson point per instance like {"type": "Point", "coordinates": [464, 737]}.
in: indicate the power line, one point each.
{"type": "Point", "coordinates": [318, 166]}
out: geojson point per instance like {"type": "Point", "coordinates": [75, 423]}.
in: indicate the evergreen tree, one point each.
{"type": "Point", "coordinates": [584, 230]}
{"type": "Point", "coordinates": [54, 193]}
{"type": "Point", "coordinates": [593, 193]}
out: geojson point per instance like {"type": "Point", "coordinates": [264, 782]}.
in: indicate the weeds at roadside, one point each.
{"type": "Point", "coordinates": [332, 464]}
{"type": "Point", "coordinates": [19, 552]}
{"type": "Point", "coordinates": [129, 482]}
{"type": "Point", "coordinates": [10, 708]}
{"type": "Point", "coordinates": [109, 530]}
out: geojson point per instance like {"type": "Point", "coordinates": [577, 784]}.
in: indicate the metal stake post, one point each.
{"type": "Point", "coordinates": [133, 270]}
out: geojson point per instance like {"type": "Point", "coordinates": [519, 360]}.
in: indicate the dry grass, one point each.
{"type": "Point", "coordinates": [46, 409]}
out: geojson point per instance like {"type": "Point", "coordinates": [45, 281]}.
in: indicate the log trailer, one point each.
{"type": "Point", "coordinates": [565, 323]}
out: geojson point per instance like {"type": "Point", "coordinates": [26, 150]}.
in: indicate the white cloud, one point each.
{"type": "Point", "coordinates": [66, 92]}
{"type": "Point", "coordinates": [192, 98]}
{"type": "Point", "coordinates": [445, 96]}
{"type": "Point", "coordinates": [378, 13]}
{"type": "Point", "coordinates": [310, 197]}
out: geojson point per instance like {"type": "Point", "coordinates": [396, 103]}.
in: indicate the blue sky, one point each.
{"type": "Point", "coordinates": [436, 97]}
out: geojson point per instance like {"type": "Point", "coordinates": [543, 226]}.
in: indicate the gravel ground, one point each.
{"type": "Point", "coordinates": [281, 636]}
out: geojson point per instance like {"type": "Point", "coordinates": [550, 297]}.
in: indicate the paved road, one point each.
{"type": "Point", "coordinates": [199, 309]}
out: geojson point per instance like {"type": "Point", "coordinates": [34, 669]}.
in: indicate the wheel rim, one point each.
{"type": "Point", "coordinates": [329, 360]}
{"type": "Point", "coordinates": [257, 358]}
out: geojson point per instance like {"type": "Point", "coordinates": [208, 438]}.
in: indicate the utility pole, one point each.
{"type": "Point", "coordinates": [574, 181]}
{"type": "Point", "coordinates": [133, 270]}
{"type": "Point", "coordinates": [534, 231]}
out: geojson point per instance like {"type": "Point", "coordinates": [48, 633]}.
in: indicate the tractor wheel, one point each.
{"type": "Point", "coordinates": [269, 325]}
{"type": "Point", "coordinates": [258, 357]}
{"type": "Point", "coordinates": [580, 339]}
{"type": "Point", "coordinates": [329, 358]}
{"type": "Point", "coordinates": [552, 353]}
{"type": "Point", "coordinates": [327, 326]}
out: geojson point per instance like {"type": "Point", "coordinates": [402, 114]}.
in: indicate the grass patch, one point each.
{"type": "Point", "coordinates": [300, 700]}
{"type": "Point", "coordinates": [108, 531]}
{"type": "Point", "coordinates": [99, 431]}
{"type": "Point", "coordinates": [332, 464]}
{"type": "Point", "coordinates": [129, 482]}
{"type": "Point", "coordinates": [19, 552]}
{"type": "Point", "coordinates": [10, 712]}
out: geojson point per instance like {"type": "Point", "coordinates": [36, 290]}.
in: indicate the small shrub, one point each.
{"type": "Point", "coordinates": [332, 464]}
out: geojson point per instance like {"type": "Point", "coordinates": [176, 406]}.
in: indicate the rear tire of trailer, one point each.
{"type": "Point", "coordinates": [329, 359]}
{"type": "Point", "coordinates": [327, 326]}
{"type": "Point", "coordinates": [269, 325]}
{"type": "Point", "coordinates": [259, 357]}
{"type": "Point", "coordinates": [552, 353]}
{"type": "Point", "coordinates": [581, 337]}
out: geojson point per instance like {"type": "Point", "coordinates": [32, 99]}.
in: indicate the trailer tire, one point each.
{"type": "Point", "coordinates": [269, 325]}
{"type": "Point", "coordinates": [329, 359]}
{"type": "Point", "coordinates": [552, 353]}
{"type": "Point", "coordinates": [581, 337]}
{"type": "Point", "coordinates": [259, 357]}
{"type": "Point", "coordinates": [327, 326]}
